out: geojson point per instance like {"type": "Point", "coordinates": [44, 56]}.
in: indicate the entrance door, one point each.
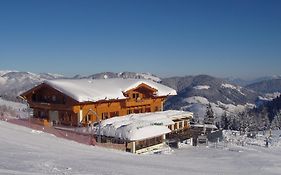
{"type": "Point", "coordinates": [54, 117]}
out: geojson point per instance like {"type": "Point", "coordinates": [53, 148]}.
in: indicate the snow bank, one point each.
{"type": "Point", "coordinates": [234, 137]}
{"type": "Point", "coordinates": [201, 87]}
{"type": "Point", "coordinates": [104, 89]}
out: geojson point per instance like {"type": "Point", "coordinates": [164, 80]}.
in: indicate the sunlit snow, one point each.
{"type": "Point", "coordinates": [201, 87]}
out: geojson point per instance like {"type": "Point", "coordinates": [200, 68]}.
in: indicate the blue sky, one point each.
{"type": "Point", "coordinates": [168, 38]}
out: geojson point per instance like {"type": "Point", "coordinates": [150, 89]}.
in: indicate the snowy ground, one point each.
{"type": "Point", "coordinates": [13, 109]}
{"type": "Point", "coordinates": [26, 151]}
{"type": "Point", "coordinates": [13, 105]}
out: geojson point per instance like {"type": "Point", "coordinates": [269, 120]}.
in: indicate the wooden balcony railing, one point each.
{"type": "Point", "coordinates": [137, 102]}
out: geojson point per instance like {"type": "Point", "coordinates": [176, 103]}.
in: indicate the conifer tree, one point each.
{"type": "Point", "coordinates": [209, 118]}
{"type": "Point", "coordinates": [276, 122]}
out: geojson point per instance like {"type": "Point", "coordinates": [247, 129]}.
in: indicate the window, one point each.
{"type": "Point", "coordinates": [185, 124]}
{"type": "Point", "coordinates": [170, 127]}
{"type": "Point", "coordinates": [67, 117]}
{"type": "Point", "coordinates": [33, 97]}
{"type": "Point", "coordinates": [135, 95]}
{"type": "Point", "coordinates": [113, 114]}
{"type": "Point", "coordinates": [54, 98]}
{"type": "Point", "coordinates": [175, 126]}
{"type": "Point", "coordinates": [156, 108]}
{"type": "Point", "coordinates": [180, 125]}
{"type": "Point", "coordinates": [42, 114]}
{"type": "Point", "coordinates": [63, 100]}
{"type": "Point", "coordinates": [89, 117]}
{"type": "Point", "coordinates": [147, 109]}
{"type": "Point", "coordinates": [136, 111]}
{"type": "Point", "coordinates": [104, 115]}
{"type": "Point", "coordinates": [61, 117]}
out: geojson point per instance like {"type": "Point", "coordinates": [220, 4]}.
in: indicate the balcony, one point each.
{"type": "Point", "coordinates": [48, 101]}
{"type": "Point", "coordinates": [138, 102]}
{"type": "Point", "coordinates": [48, 105]}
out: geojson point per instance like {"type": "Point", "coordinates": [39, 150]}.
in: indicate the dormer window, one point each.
{"type": "Point", "coordinates": [135, 95]}
{"type": "Point", "coordinates": [33, 97]}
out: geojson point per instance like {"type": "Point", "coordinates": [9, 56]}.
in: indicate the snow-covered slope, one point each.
{"type": "Point", "coordinates": [12, 83]}
{"type": "Point", "coordinates": [195, 92]}
{"type": "Point", "coordinates": [233, 87]}
{"type": "Point", "coordinates": [28, 152]}
{"type": "Point", "coordinates": [199, 104]}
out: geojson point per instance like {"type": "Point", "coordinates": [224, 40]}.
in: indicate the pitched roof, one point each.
{"type": "Point", "coordinates": [83, 90]}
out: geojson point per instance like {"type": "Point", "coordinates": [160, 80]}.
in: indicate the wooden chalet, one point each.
{"type": "Point", "coordinates": [84, 102]}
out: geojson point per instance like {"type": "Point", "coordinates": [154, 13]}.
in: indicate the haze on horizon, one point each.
{"type": "Point", "coordinates": [168, 38]}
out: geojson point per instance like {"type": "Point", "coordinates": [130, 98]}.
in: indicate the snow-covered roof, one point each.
{"type": "Point", "coordinates": [177, 115]}
{"type": "Point", "coordinates": [84, 90]}
{"type": "Point", "coordinates": [209, 126]}
{"type": "Point", "coordinates": [141, 126]}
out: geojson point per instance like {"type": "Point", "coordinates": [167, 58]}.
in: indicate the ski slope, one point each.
{"type": "Point", "coordinates": [25, 151]}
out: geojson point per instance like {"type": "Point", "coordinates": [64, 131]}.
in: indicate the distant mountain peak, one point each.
{"type": "Point", "coordinates": [134, 75]}
{"type": "Point", "coordinates": [266, 86]}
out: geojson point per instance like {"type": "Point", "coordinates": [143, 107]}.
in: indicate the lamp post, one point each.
{"type": "Point", "coordinates": [99, 131]}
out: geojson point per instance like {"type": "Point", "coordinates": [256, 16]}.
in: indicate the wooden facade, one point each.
{"type": "Point", "coordinates": [51, 105]}
{"type": "Point", "coordinates": [137, 147]}
{"type": "Point", "coordinates": [179, 131]}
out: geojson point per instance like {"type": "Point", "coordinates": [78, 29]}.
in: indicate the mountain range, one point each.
{"type": "Point", "coordinates": [212, 88]}
{"type": "Point", "coordinates": [194, 92]}
{"type": "Point", "coordinates": [246, 82]}
{"type": "Point", "coordinates": [12, 83]}
{"type": "Point", "coordinates": [266, 86]}
{"type": "Point", "coordinates": [125, 75]}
